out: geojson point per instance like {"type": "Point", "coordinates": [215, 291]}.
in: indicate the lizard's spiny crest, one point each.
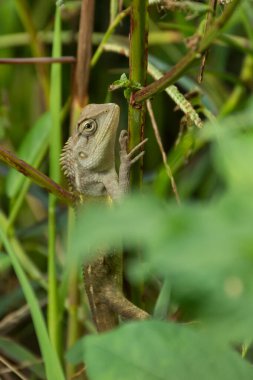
{"type": "Point", "coordinates": [67, 161]}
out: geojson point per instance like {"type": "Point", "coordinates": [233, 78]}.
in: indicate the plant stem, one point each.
{"type": "Point", "coordinates": [155, 38]}
{"type": "Point", "coordinates": [72, 294]}
{"type": "Point", "coordinates": [108, 34]}
{"type": "Point", "coordinates": [164, 157]}
{"type": "Point", "coordinates": [240, 90]}
{"type": "Point", "coordinates": [137, 73]}
{"type": "Point", "coordinates": [38, 177]}
{"type": "Point", "coordinates": [17, 248]}
{"type": "Point", "coordinates": [54, 323]}
{"type": "Point", "coordinates": [209, 19]}
{"type": "Point", "coordinates": [82, 72]}
{"type": "Point", "coordinates": [40, 60]}
{"type": "Point", "coordinates": [36, 46]}
{"type": "Point", "coordinates": [184, 105]}
{"type": "Point", "coordinates": [244, 85]}
{"type": "Point", "coordinates": [52, 364]}
{"type": "Point", "coordinates": [80, 99]}
{"type": "Point", "coordinates": [114, 8]}
{"type": "Point", "coordinates": [171, 76]}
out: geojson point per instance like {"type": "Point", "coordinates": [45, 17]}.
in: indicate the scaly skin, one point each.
{"type": "Point", "coordinates": [88, 158]}
{"type": "Point", "coordinates": [88, 162]}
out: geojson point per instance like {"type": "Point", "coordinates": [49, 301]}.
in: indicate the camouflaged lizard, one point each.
{"type": "Point", "coordinates": [88, 162]}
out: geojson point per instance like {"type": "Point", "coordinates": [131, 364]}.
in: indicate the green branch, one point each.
{"type": "Point", "coordinates": [24, 13]}
{"type": "Point", "coordinates": [108, 34]}
{"type": "Point", "coordinates": [171, 76]}
{"type": "Point", "coordinates": [54, 319]}
{"type": "Point", "coordinates": [137, 74]}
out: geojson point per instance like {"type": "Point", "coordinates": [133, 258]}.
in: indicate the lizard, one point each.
{"type": "Point", "coordinates": [88, 162]}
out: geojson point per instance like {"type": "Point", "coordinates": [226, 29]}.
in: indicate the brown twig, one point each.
{"type": "Point", "coordinates": [39, 60]}
{"type": "Point", "coordinates": [138, 58]}
{"type": "Point", "coordinates": [24, 365]}
{"type": "Point", "coordinates": [36, 176]}
{"type": "Point", "coordinates": [15, 317]}
{"type": "Point", "coordinates": [12, 368]}
{"type": "Point", "coordinates": [77, 375]}
{"type": "Point", "coordinates": [171, 76]}
{"type": "Point", "coordinates": [164, 157]}
{"type": "Point", "coordinates": [79, 100]}
{"type": "Point", "coordinates": [84, 46]}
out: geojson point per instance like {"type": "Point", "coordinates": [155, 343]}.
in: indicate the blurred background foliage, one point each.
{"type": "Point", "coordinates": [194, 261]}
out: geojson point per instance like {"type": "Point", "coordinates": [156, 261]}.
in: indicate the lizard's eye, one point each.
{"type": "Point", "coordinates": [87, 127]}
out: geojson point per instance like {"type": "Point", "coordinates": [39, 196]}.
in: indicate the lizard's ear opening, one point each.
{"type": "Point", "coordinates": [82, 155]}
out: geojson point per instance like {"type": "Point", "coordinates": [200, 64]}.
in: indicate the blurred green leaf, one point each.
{"type": "Point", "coordinates": [75, 353]}
{"type": "Point", "coordinates": [123, 225]}
{"type": "Point", "coordinates": [155, 350]}
{"type": "Point", "coordinates": [161, 310]}
{"type": "Point", "coordinates": [5, 262]}
{"type": "Point", "coordinates": [33, 146]}
{"type": "Point", "coordinates": [204, 250]}
{"type": "Point", "coordinates": [54, 319]}
{"type": "Point", "coordinates": [233, 159]}
{"type": "Point", "coordinates": [52, 364]}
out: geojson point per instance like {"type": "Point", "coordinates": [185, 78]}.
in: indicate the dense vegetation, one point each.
{"type": "Point", "coordinates": [187, 235]}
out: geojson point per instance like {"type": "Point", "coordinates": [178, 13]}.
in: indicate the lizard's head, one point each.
{"type": "Point", "coordinates": [91, 147]}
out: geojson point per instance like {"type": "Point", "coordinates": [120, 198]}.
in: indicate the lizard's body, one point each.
{"type": "Point", "coordinates": [88, 161]}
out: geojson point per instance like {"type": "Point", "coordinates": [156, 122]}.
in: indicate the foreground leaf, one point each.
{"type": "Point", "coordinates": [156, 350]}
{"type": "Point", "coordinates": [52, 364]}
{"type": "Point", "coordinates": [30, 148]}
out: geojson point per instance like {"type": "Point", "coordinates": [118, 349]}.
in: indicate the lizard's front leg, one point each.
{"type": "Point", "coordinates": [127, 159]}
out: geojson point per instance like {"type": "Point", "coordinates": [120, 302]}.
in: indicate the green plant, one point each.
{"type": "Point", "coordinates": [188, 263]}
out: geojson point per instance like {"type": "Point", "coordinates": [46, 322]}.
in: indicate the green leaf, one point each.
{"type": "Point", "coordinates": [161, 309]}
{"type": "Point", "coordinates": [153, 350]}
{"type": "Point", "coordinates": [233, 158]}
{"type": "Point", "coordinates": [204, 250]}
{"type": "Point", "coordinates": [53, 316]}
{"type": "Point", "coordinates": [122, 226]}
{"type": "Point", "coordinates": [127, 84]}
{"type": "Point", "coordinates": [123, 82]}
{"type": "Point", "coordinates": [5, 262]}
{"type": "Point", "coordinates": [52, 364]}
{"type": "Point", "coordinates": [34, 144]}
{"type": "Point", "coordinates": [75, 353]}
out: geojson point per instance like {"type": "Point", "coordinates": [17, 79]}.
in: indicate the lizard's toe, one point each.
{"type": "Point", "coordinates": [123, 134]}
{"type": "Point", "coordinates": [123, 139]}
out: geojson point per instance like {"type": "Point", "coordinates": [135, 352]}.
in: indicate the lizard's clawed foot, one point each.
{"type": "Point", "coordinates": [123, 141]}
